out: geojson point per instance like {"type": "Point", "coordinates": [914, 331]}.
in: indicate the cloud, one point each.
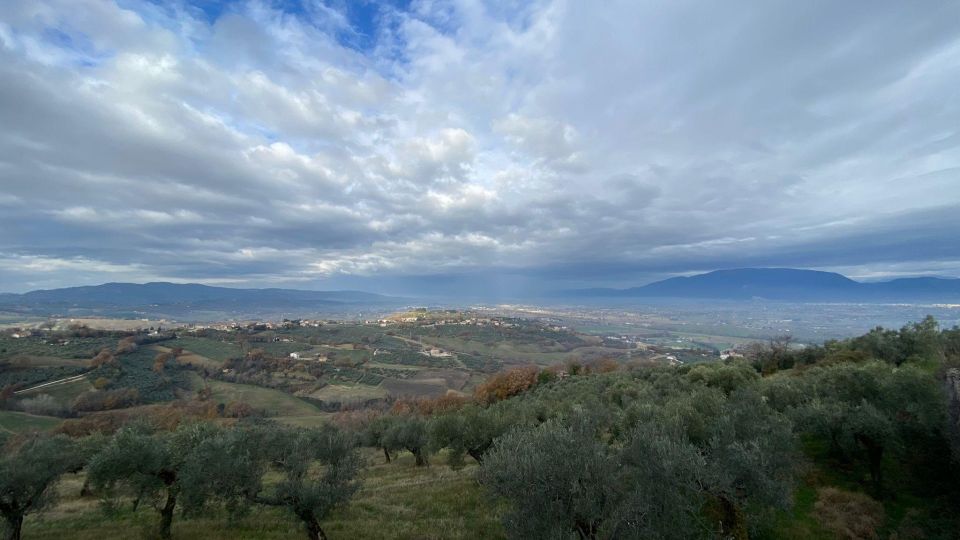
{"type": "Point", "coordinates": [549, 141]}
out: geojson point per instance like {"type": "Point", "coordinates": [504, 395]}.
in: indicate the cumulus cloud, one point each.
{"type": "Point", "coordinates": [561, 142]}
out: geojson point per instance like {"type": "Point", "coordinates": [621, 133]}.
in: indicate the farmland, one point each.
{"type": "Point", "coordinates": [294, 369]}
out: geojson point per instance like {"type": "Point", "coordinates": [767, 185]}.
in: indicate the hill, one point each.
{"type": "Point", "coordinates": [787, 284]}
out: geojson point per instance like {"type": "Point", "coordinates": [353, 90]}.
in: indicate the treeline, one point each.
{"type": "Point", "coordinates": [918, 343]}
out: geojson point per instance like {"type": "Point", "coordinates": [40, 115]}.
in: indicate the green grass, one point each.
{"type": "Point", "coordinates": [64, 393]}
{"type": "Point", "coordinates": [348, 392]}
{"type": "Point", "coordinates": [395, 501]}
{"type": "Point", "coordinates": [209, 348]}
{"type": "Point", "coordinates": [275, 402]}
{"type": "Point", "coordinates": [798, 523]}
{"type": "Point", "coordinates": [18, 422]}
{"type": "Point", "coordinates": [401, 501]}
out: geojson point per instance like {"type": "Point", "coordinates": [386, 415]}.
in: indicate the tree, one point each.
{"type": "Point", "coordinates": [751, 458]}
{"type": "Point", "coordinates": [469, 431]}
{"type": "Point", "coordinates": [127, 345]}
{"type": "Point", "coordinates": [664, 495]}
{"type": "Point", "coordinates": [915, 341]}
{"type": "Point", "coordinates": [506, 384]}
{"type": "Point", "coordinates": [160, 361]}
{"type": "Point", "coordinates": [373, 434]}
{"type": "Point", "coordinates": [104, 357]}
{"type": "Point", "coordinates": [682, 460]}
{"type": "Point", "coordinates": [28, 469]}
{"type": "Point", "coordinates": [559, 480]}
{"type": "Point", "coordinates": [308, 491]}
{"type": "Point", "coordinates": [727, 376]}
{"type": "Point", "coordinates": [409, 432]}
{"type": "Point", "coordinates": [867, 411]}
{"type": "Point", "coordinates": [151, 463]}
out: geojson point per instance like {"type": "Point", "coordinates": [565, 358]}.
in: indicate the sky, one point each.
{"type": "Point", "coordinates": [456, 145]}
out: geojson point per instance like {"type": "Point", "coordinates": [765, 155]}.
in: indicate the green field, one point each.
{"type": "Point", "coordinates": [64, 393]}
{"type": "Point", "coordinates": [346, 393]}
{"type": "Point", "coordinates": [209, 348]}
{"type": "Point", "coordinates": [275, 402]}
{"type": "Point", "coordinates": [18, 422]}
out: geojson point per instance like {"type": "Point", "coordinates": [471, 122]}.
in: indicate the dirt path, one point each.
{"type": "Point", "coordinates": [52, 383]}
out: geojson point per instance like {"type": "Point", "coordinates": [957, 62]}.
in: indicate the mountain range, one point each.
{"type": "Point", "coordinates": [193, 300]}
{"type": "Point", "coordinates": [786, 284]}
{"type": "Point", "coordinates": [175, 299]}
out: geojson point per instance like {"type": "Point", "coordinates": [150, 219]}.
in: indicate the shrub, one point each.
{"type": "Point", "coordinates": [105, 400]}
{"type": "Point", "coordinates": [507, 384]}
{"type": "Point", "coordinates": [854, 516]}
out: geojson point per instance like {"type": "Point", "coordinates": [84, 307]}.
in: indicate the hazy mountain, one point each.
{"type": "Point", "coordinates": [179, 299]}
{"type": "Point", "coordinates": [787, 284]}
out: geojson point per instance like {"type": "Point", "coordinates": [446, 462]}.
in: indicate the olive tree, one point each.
{"type": "Point", "coordinates": [560, 480]}
{"type": "Point", "coordinates": [373, 434]}
{"type": "Point", "coordinates": [152, 464]}
{"type": "Point", "coordinates": [409, 432]}
{"type": "Point", "coordinates": [751, 456]}
{"type": "Point", "coordinates": [29, 467]}
{"type": "Point", "coordinates": [226, 467]}
{"type": "Point", "coordinates": [663, 475]}
{"type": "Point", "coordinates": [693, 464]}
{"type": "Point", "coordinates": [318, 468]}
{"type": "Point", "coordinates": [469, 431]}
{"type": "Point", "coordinates": [867, 412]}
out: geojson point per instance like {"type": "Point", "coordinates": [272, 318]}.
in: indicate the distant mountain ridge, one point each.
{"type": "Point", "coordinates": [182, 298]}
{"type": "Point", "coordinates": [786, 284]}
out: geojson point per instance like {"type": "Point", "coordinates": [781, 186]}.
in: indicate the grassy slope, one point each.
{"type": "Point", "coordinates": [209, 348]}
{"type": "Point", "coordinates": [64, 393]}
{"type": "Point", "coordinates": [275, 401]}
{"type": "Point", "coordinates": [18, 422]}
{"type": "Point", "coordinates": [348, 392]}
{"type": "Point", "coordinates": [396, 501]}
{"type": "Point", "coordinates": [192, 359]}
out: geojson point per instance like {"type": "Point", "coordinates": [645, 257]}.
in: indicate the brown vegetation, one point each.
{"type": "Point", "coordinates": [506, 384]}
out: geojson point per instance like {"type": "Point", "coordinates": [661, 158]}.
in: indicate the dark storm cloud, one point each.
{"type": "Point", "coordinates": [555, 142]}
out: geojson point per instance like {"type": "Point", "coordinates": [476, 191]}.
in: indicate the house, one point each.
{"type": "Point", "coordinates": [730, 353]}
{"type": "Point", "coordinates": [437, 353]}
